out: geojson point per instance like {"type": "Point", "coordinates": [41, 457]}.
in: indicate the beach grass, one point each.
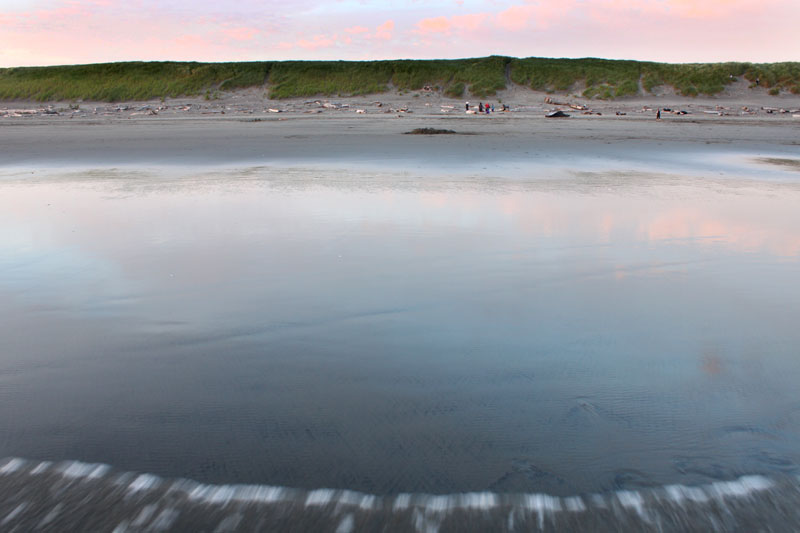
{"type": "Point", "coordinates": [110, 82]}
{"type": "Point", "coordinates": [479, 77]}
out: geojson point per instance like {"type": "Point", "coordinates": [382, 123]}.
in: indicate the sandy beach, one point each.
{"type": "Point", "coordinates": [243, 128]}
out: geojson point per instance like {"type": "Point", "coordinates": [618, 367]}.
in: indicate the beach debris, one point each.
{"type": "Point", "coordinates": [578, 107]}
{"type": "Point", "coordinates": [273, 110]}
{"type": "Point", "coordinates": [429, 131]}
{"type": "Point", "coordinates": [361, 111]}
{"type": "Point", "coordinates": [620, 113]}
{"type": "Point", "coordinates": [471, 112]}
{"type": "Point", "coordinates": [556, 114]}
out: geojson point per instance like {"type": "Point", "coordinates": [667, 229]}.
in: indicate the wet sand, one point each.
{"type": "Point", "coordinates": [482, 145]}
{"type": "Point", "coordinates": [655, 262]}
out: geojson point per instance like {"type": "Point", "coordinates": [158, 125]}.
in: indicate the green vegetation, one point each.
{"type": "Point", "coordinates": [480, 77]}
{"type": "Point", "coordinates": [607, 79]}
{"type": "Point", "coordinates": [484, 76]}
{"type": "Point", "coordinates": [127, 81]}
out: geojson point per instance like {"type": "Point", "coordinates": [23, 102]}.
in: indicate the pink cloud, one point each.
{"type": "Point", "coordinates": [384, 31]}
{"type": "Point", "coordinates": [434, 25]}
{"type": "Point", "coordinates": [356, 30]}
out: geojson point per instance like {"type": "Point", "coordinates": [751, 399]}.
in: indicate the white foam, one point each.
{"type": "Point", "coordinates": [740, 488]}
{"type": "Point", "coordinates": [574, 504]}
{"type": "Point", "coordinates": [319, 497]}
{"type": "Point", "coordinates": [542, 503]}
{"type": "Point", "coordinates": [681, 493]}
{"type": "Point", "coordinates": [220, 495]}
{"type": "Point", "coordinates": [260, 493]}
{"type": "Point", "coordinates": [78, 470]}
{"type": "Point", "coordinates": [438, 504]}
{"type": "Point", "coordinates": [41, 467]}
{"type": "Point", "coordinates": [632, 500]}
{"type": "Point", "coordinates": [402, 501]}
{"type": "Point", "coordinates": [144, 482]}
{"type": "Point", "coordinates": [478, 500]}
{"type": "Point", "coordinates": [11, 466]}
{"type": "Point", "coordinates": [368, 502]}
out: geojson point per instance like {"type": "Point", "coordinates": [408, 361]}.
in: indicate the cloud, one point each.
{"type": "Point", "coordinates": [384, 31]}
{"type": "Point", "coordinates": [82, 31]}
{"type": "Point", "coordinates": [434, 25]}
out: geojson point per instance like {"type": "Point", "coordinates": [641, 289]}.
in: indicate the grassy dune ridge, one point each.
{"type": "Point", "coordinates": [481, 77]}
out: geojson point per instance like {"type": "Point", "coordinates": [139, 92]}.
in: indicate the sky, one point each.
{"type": "Point", "coordinates": [53, 32]}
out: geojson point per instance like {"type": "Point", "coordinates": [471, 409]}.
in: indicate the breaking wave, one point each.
{"type": "Point", "coordinates": [76, 496]}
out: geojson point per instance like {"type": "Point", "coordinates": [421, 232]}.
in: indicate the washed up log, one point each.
{"type": "Point", "coordinates": [556, 114]}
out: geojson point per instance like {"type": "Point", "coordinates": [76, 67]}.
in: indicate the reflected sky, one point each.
{"type": "Point", "coordinates": [608, 330]}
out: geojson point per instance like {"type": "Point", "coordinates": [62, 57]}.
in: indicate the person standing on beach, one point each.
{"type": "Point", "coordinates": [658, 114]}
{"type": "Point", "coordinates": [467, 106]}
{"type": "Point", "coordinates": [480, 107]}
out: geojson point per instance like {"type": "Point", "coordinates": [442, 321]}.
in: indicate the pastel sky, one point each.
{"type": "Point", "coordinates": [48, 32]}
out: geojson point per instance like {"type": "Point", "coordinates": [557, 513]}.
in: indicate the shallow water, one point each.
{"type": "Point", "coordinates": [581, 333]}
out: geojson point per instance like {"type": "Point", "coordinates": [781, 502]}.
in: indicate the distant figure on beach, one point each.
{"type": "Point", "coordinates": [492, 108]}
{"type": "Point", "coordinates": [658, 114]}
{"type": "Point", "coordinates": [480, 107]}
{"type": "Point", "coordinates": [758, 81]}
{"type": "Point", "coordinates": [467, 106]}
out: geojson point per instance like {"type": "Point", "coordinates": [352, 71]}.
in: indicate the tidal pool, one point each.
{"type": "Point", "coordinates": [391, 333]}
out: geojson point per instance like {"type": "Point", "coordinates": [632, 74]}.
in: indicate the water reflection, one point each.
{"type": "Point", "coordinates": [393, 335]}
